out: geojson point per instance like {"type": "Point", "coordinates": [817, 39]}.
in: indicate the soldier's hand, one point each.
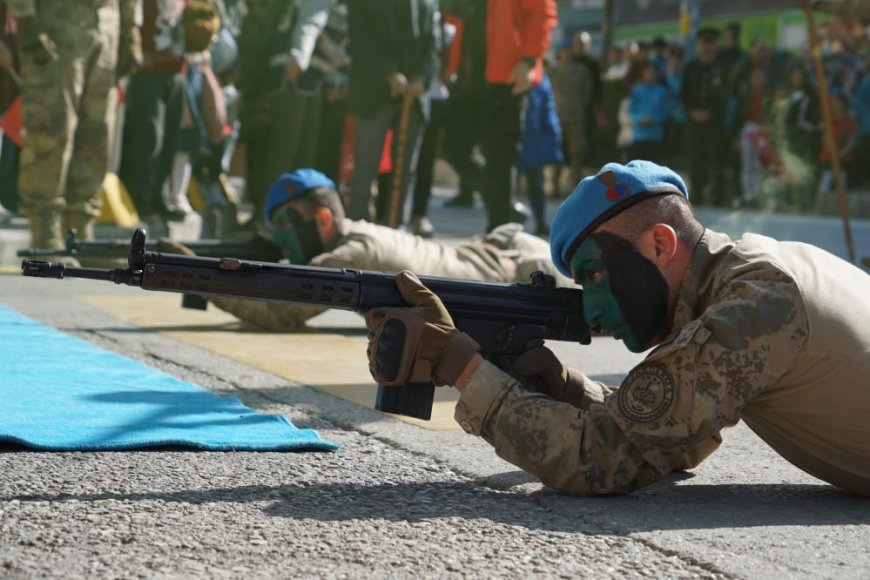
{"type": "Point", "coordinates": [418, 343]}
{"type": "Point", "coordinates": [167, 246]}
{"type": "Point", "coordinates": [540, 370]}
{"type": "Point", "coordinates": [35, 42]}
{"type": "Point", "coordinates": [130, 55]}
{"type": "Point", "coordinates": [522, 77]}
{"type": "Point", "coordinates": [398, 83]}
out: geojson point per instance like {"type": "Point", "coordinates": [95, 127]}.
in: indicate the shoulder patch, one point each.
{"type": "Point", "coordinates": [647, 393]}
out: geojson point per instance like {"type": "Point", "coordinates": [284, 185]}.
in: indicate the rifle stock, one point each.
{"type": "Point", "coordinates": [505, 319]}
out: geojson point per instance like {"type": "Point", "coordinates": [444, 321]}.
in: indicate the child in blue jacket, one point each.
{"type": "Point", "coordinates": [649, 106]}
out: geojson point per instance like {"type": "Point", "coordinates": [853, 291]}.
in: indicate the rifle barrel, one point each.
{"type": "Point", "coordinates": [40, 269]}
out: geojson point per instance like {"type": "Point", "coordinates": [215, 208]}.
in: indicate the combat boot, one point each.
{"type": "Point", "coordinates": [46, 234]}
{"type": "Point", "coordinates": [81, 222]}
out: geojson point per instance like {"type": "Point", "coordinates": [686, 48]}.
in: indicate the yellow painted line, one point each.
{"type": "Point", "coordinates": [329, 362]}
{"type": "Point", "coordinates": [10, 270]}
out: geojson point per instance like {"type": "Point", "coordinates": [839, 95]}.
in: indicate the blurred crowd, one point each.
{"type": "Point", "coordinates": [745, 125]}
{"type": "Point", "coordinates": [185, 100]}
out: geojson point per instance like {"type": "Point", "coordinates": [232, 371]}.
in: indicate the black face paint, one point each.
{"type": "Point", "coordinates": [639, 288]}
{"type": "Point", "coordinates": [308, 236]}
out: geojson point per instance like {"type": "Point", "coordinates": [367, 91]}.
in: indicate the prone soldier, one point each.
{"type": "Point", "coordinates": [773, 333]}
{"type": "Point", "coordinates": [307, 221]}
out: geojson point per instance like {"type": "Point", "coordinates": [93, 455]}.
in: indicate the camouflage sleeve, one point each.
{"type": "Point", "coordinates": [669, 410]}
{"type": "Point", "coordinates": [571, 449]}
{"type": "Point", "coordinates": [267, 315]}
{"type": "Point", "coordinates": [687, 390]}
{"type": "Point", "coordinates": [21, 8]}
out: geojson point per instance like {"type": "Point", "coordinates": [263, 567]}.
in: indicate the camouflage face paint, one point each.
{"type": "Point", "coordinates": [296, 236]}
{"type": "Point", "coordinates": [623, 292]}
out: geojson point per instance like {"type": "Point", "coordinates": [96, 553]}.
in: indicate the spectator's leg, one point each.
{"type": "Point", "coordinates": [89, 161]}
{"type": "Point", "coordinates": [9, 154]}
{"type": "Point", "coordinates": [461, 134]}
{"type": "Point", "coordinates": [697, 163]}
{"type": "Point", "coordinates": [574, 135]}
{"type": "Point", "coordinates": [49, 117]}
{"type": "Point", "coordinates": [750, 167]}
{"type": "Point", "coordinates": [255, 133]}
{"type": "Point", "coordinates": [329, 142]}
{"type": "Point", "coordinates": [151, 126]}
{"type": "Point", "coordinates": [537, 199]}
{"type": "Point", "coordinates": [500, 143]}
{"type": "Point", "coordinates": [426, 161]}
{"type": "Point", "coordinates": [309, 131]}
{"type": "Point", "coordinates": [368, 144]}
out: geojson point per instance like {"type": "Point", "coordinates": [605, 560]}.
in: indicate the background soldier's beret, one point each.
{"type": "Point", "coordinates": [291, 186]}
{"type": "Point", "coordinates": [599, 197]}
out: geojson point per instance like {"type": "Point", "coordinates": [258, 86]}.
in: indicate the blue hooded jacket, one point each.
{"type": "Point", "coordinates": [541, 142]}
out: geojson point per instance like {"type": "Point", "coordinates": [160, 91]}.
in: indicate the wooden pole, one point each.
{"type": "Point", "coordinates": [396, 193]}
{"type": "Point", "coordinates": [828, 129]}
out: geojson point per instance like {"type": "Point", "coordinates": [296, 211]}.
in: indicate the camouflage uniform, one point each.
{"type": "Point", "coordinates": [769, 332]}
{"type": "Point", "coordinates": [66, 112]}
{"type": "Point", "coordinates": [508, 254]}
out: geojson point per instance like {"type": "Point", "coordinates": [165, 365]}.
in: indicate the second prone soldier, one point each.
{"type": "Point", "coordinates": [308, 223]}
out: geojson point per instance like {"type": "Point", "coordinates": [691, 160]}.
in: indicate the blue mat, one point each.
{"type": "Point", "coordinates": [59, 393]}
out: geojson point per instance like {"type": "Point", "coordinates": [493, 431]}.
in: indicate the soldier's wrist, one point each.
{"type": "Point", "coordinates": [465, 375]}
{"type": "Point", "coordinates": [457, 352]}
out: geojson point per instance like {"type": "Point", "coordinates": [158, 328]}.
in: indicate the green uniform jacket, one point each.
{"type": "Point", "coordinates": [773, 333]}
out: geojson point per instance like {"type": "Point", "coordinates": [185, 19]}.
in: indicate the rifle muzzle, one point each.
{"type": "Point", "coordinates": [41, 269]}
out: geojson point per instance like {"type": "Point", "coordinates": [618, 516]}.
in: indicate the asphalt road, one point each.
{"type": "Point", "coordinates": [396, 500]}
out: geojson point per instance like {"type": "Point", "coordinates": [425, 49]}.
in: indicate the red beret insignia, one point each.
{"type": "Point", "coordinates": [615, 191]}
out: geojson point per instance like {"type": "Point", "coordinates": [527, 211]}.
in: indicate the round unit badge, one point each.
{"type": "Point", "coordinates": [646, 394]}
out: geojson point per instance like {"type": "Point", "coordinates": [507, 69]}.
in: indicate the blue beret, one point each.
{"type": "Point", "coordinates": [599, 197]}
{"type": "Point", "coordinates": [292, 186]}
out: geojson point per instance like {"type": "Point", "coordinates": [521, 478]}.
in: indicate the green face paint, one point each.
{"type": "Point", "coordinates": [600, 307]}
{"type": "Point", "coordinates": [623, 292]}
{"type": "Point", "coordinates": [284, 236]}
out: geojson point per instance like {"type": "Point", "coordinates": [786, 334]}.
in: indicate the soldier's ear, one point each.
{"type": "Point", "coordinates": [661, 241]}
{"type": "Point", "coordinates": [326, 225]}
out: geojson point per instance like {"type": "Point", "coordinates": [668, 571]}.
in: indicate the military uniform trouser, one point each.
{"type": "Point", "coordinates": [66, 110]}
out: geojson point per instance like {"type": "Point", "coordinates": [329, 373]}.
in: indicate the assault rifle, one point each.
{"type": "Point", "coordinates": [253, 248]}
{"type": "Point", "coordinates": [505, 319]}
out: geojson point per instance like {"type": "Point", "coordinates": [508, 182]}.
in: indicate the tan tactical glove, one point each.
{"type": "Point", "coordinates": [539, 370]}
{"type": "Point", "coordinates": [35, 42]}
{"type": "Point", "coordinates": [418, 343]}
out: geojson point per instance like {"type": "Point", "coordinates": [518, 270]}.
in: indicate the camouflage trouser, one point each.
{"type": "Point", "coordinates": [529, 253]}
{"type": "Point", "coordinates": [66, 109]}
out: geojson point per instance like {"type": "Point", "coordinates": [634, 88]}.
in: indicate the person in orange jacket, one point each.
{"type": "Point", "coordinates": [496, 57]}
